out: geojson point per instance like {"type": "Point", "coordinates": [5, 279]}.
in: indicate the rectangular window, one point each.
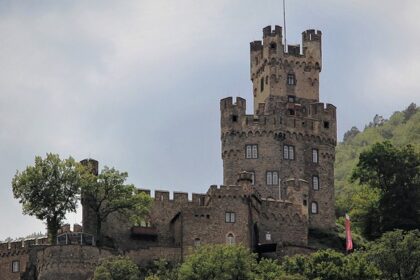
{"type": "Point", "coordinates": [291, 99]}
{"type": "Point", "coordinates": [230, 217]}
{"type": "Point", "coordinates": [251, 151]}
{"type": "Point", "coordinates": [15, 266]}
{"type": "Point", "coordinates": [291, 79]}
{"type": "Point", "coordinates": [288, 152]}
{"type": "Point", "coordinates": [315, 155]}
{"type": "Point", "coordinates": [272, 178]}
{"type": "Point", "coordinates": [315, 183]}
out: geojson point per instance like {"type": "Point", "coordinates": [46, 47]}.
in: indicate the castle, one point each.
{"type": "Point", "coordinates": [278, 170]}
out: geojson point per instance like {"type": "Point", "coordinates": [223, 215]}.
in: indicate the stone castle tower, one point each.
{"type": "Point", "coordinates": [288, 143]}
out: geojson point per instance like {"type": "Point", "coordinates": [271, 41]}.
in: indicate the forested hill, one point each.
{"type": "Point", "coordinates": [401, 129]}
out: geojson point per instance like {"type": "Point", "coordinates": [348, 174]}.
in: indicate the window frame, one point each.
{"type": "Point", "coordinates": [288, 152]}
{"type": "Point", "coordinates": [230, 217]}
{"type": "Point", "coordinates": [315, 187]}
{"type": "Point", "coordinates": [15, 269]}
{"type": "Point", "coordinates": [272, 175]}
{"type": "Point", "coordinates": [230, 239]}
{"type": "Point", "coordinates": [315, 155]}
{"type": "Point", "coordinates": [314, 206]}
{"type": "Point", "coordinates": [291, 79]}
{"type": "Point", "coordinates": [251, 151]}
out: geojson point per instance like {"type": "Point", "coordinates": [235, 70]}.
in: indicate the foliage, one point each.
{"type": "Point", "coordinates": [107, 193]}
{"type": "Point", "coordinates": [393, 173]}
{"type": "Point", "coordinates": [162, 270]}
{"type": "Point", "coordinates": [49, 189]}
{"type": "Point", "coordinates": [331, 265]}
{"type": "Point", "coordinates": [219, 262]}
{"type": "Point", "coordinates": [401, 129]}
{"type": "Point", "coordinates": [117, 268]}
{"type": "Point", "coordinates": [397, 254]}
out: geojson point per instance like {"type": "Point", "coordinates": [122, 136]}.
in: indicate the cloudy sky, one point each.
{"type": "Point", "coordinates": [136, 84]}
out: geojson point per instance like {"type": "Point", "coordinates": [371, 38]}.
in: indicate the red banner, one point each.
{"type": "Point", "coordinates": [349, 241]}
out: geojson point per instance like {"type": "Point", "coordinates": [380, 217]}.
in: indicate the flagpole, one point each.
{"type": "Point", "coordinates": [284, 24]}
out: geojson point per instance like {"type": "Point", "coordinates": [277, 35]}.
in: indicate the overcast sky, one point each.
{"type": "Point", "coordinates": [136, 84]}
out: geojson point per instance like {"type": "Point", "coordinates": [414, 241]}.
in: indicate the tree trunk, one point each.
{"type": "Point", "coordinates": [53, 226]}
{"type": "Point", "coordinates": [98, 231]}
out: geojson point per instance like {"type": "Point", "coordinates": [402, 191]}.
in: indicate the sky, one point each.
{"type": "Point", "coordinates": [136, 84]}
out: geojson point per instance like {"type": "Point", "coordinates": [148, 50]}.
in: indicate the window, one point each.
{"type": "Point", "coordinates": [273, 46]}
{"type": "Point", "coordinates": [197, 242]}
{"type": "Point", "coordinates": [291, 99]}
{"type": "Point", "coordinates": [251, 151]}
{"type": "Point", "coordinates": [234, 118]}
{"type": "Point", "coordinates": [230, 217]}
{"type": "Point", "coordinates": [315, 155]}
{"type": "Point", "coordinates": [326, 125]}
{"type": "Point", "coordinates": [314, 208]}
{"type": "Point", "coordinates": [268, 236]}
{"type": "Point", "coordinates": [262, 84]}
{"type": "Point", "coordinates": [15, 266]}
{"type": "Point", "coordinates": [230, 239]}
{"type": "Point", "coordinates": [291, 81]}
{"type": "Point", "coordinates": [288, 152]}
{"type": "Point", "coordinates": [252, 177]}
{"type": "Point", "coordinates": [315, 182]}
{"type": "Point", "coordinates": [272, 178]}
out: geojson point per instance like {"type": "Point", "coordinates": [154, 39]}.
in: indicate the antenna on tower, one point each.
{"type": "Point", "coordinates": [284, 24]}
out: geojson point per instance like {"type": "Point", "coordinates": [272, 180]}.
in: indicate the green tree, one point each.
{"type": "Point", "coordinates": [218, 262]}
{"type": "Point", "coordinates": [49, 189]}
{"type": "Point", "coordinates": [162, 270]}
{"type": "Point", "coordinates": [117, 268]}
{"type": "Point", "coordinates": [394, 172]}
{"type": "Point", "coordinates": [331, 265]}
{"type": "Point", "coordinates": [397, 255]}
{"type": "Point", "coordinates": [107, 193]}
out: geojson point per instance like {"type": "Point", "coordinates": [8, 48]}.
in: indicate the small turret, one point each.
{"type": "Point", "coordinates": [312, 49]}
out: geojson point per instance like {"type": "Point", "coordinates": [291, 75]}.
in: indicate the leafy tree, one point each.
{"type": "Point", "coordinates": [162, 270]}
{"type": "Point", "coordinates": [49, 189]}
{"type": "Point", "coordinates": [331, 265]}
{"type": "Point", "coordinates": [394, 172]}
{"type": "Point", "coordinates": [221, 262]}
{"type": "Point", "coordinates": [117, 268]}
{"type": "Point", "coordinates": [397, 254]}
{"type": "Point", "coordinates": [107, 193]}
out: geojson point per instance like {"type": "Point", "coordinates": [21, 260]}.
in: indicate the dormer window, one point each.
{"type": "Point", "coordinates": [291, 80]}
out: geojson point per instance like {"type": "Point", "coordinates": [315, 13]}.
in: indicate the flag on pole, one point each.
{"type": "Point", "coordinates": [349, 241]}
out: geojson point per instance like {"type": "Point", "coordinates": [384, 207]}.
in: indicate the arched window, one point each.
{"type": "Point", "coordinates": [315, 182]}
{"type": "Point", "coordinates": [230, 239]}
{"type": "Point", "coordinates": [197, 242]}
{"type": "Point", "coordinates": [315, 157]}
{"type": "Point", "coordinates": [314, 208]}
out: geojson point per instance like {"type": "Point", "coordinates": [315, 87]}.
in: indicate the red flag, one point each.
{"type": "Point", "coordinates": [349, 241]}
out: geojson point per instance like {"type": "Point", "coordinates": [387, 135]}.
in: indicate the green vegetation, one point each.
{"type": "Point", "coordinates": [402, 129]}
{"type": "Point", "coordinates": [393, 176]}
{"type": "Point", "coordinates": [117, 268]}
{"type": "Point", "coordinates": [49, 189]}
{"type": "Point", "coordinates": [108, 194]}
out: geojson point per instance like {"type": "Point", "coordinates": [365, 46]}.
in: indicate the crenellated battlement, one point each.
{"type": "Point", "coordinates": [311, 35]}
{"type": "Point", "coordinates": [280, 117]}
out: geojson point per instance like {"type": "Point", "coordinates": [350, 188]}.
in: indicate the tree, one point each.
{"type": "Point", "coordinates": [221, 262]}
{"type": "Point", "coordinates": [117, 268]}
{"type": "Point", "coordinates": [332, 265]}
{"type": "Point", "coordinates": [49, 189]}
{"type": "Point", "coordinates": [395, 173]}
{"type": "Point", "coordinates": [397, 254]}
{"type": "Point", "coordinates": [106, 194]}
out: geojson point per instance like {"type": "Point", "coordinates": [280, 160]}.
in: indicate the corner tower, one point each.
{"type": "Point", "coordinates": [291, 136]}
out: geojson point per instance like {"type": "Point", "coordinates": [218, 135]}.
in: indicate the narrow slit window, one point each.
{"type": "Point", "coordinates": [315, 183]}
{"type": "Point", "coordinates": [315, 157]}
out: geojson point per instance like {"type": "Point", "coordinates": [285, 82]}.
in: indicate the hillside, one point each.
{"type": "Point", "coordinates": [401, 129]}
